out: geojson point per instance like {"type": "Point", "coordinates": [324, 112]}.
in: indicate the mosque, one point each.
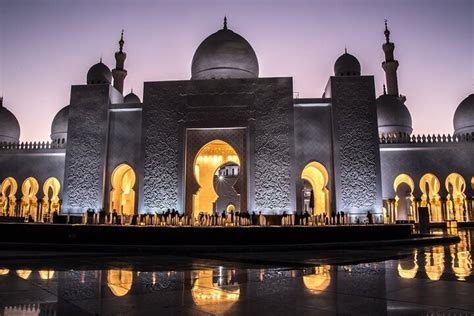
{"type": "Point", "coordinates": [227, 139]}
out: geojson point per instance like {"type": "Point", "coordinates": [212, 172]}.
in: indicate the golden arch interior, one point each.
{"type": "Point", "coordinates": [29, 201]}
{"type": "Point", "coordinates": [317, 175]}
{"type": "Point", "coordinates": [456, 199]}
{"type": "Point", "coordinates": [319, 280]}
{"type": "Point", "coordinates": [119, 281]}
{"type": "Point", "coordinates": [208, 160]}
{"type": "Point", "coordinates": [8, 190]}
{"type": "Point", "coordinates": [430, 186]}
{"type": "Point", "coordinates": [122, 196]}
{"type": "Point", "coordinates": [51, 189]}
{"type": "Point", "coordinates": [404, 201]}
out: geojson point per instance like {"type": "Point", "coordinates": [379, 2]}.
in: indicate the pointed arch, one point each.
{"type": "Point", "coordinates": [429, 186]}
{"type": "Point", "coordinates": [122, 196]}
{"type": "Point", "coordinates": [29, 201]}
{"type": "Point", "coordinates": [404, 204]}
{"type": "Point", "coordinates": [456, 199]}
{"type": "Point", "coordinates": [51, 189]}
{"type": "Point", "coordinates": [317, 175]}
{"type": "Point", "coordinates": [8, 190]}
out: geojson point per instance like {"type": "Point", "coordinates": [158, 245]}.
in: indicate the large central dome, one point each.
{"type": "Point", "coordinates": [224, 55]}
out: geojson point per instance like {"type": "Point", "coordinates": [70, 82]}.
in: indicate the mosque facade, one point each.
{"type": "Point", "coordinates": [227, 139]}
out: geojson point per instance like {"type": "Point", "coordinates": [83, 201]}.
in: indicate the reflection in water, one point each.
{"type": "Point", "coordinates": [4, 271]}
{"type": "Point", "coordinates": [407, 270]}
{"type": "Point", "coordinates": [434, 263]}
{"type": "Point", "coordinates": [319, 280]}
{"type": "Point", "coordinates": [119, 281]}
{"type": "Point", "coordinates": [24, 274]}
{"type": "Point", "coordinates": [222, 290]}
{"type": "Point", "coordinates": [46, 274]}
{"type": "Point", "coordinates": [461, 260]}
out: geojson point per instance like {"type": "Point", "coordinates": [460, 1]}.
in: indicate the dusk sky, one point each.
{"type": "Point", "coordinates": [47, 46]}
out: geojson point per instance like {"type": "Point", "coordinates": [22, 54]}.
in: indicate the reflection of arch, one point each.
{"type": "Point", "coordinates": [434, 263]}
{"type": "Point", "coordinates": [207, 293]}
{"type": "Point", "coordinates": [404, 201]}
{"type": "Point", "coordinates": [119, 281]}
{"type": "Point", "coordinates": [122, 196]}
{"type": "Point", "coordinates": [461, 260]}
{"type": "Point", "coordinates": [429, 186]}
{"type": "Point", "coordinates": [317, 175]}
{"type": "Point", "coordinates": [408, 273]}
{"type": "Point", "coordinates": [8, 190]}
{"type": "Point", "coordinates": [51, 190]}
{"type": "Point", "coordinates": [29, 201]}
{"type": "Point", "coordinates": [24, 274]}
{"type": "Point", "coordinates": [210, 158]}
{"type": "Point", "coordinates": [456, 199]}
{"type": "Point", "coordinates": [4, 271]}
{"type": "Point", "coordinates": [319, 280]}
{"type": "Point", "coordinates": [46, 274]}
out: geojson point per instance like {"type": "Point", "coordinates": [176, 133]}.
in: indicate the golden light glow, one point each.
{"type": "Point", "coordinates": [430, 186]}
{"type": "Point", "coordinates": [29, 201]}
{"type": "Point", "coordinates": [24, 274]}
{"type": "Point", "coordinates": [408, 273]}
{"type": "Point", "coordinates": [8, 188]}
{"type": "Point", "coordinates": [317, 175]}
{"type": "Point", "coordinates": [210, 158]}
{"type": "Point", "coordinates": [406, 179]}
{"type": "Point", "coordinates": [318, 281]}
{"type": "Point", "coordinates": [122, 196]}
{"type": "Point", "coordinates": [119, 281]}
{"type": "Point", "coordinates": [46, 274]}
{"type": "Point", "coordinates": [461, 260]}
{"type": "Point", "coordinates": [455, 204]}
{"type": "Point", "coordinates": [4, 271]}
{"type": "Point", "coordinates": [51, 189]}
{"type": "Point", "coordinates": [434, 263]}
{"type": "Point", "coordinates": [207, 293]}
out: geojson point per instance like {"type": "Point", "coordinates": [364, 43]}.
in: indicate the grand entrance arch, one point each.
{"type": "Point", "coordinates": [29, 201]}
{"type": "Point", "coordinates": [122, 196]}
{"type": "Point", "coordinates": [317, 176]}
{"type": "Point", "coordinates": [210, 158]}
{"type": "Point", "coordinates": [8, 190]}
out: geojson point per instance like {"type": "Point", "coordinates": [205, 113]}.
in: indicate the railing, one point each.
{"type": "Point", "coordinates": [404, 138]}
{"type": "Point", "coordinates": [33, 145]}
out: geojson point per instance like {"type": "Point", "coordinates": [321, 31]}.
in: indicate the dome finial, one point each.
{"type": "Point", "coordinates": [387, 32]}
{"type": "Point", "coordinates": [225, 22]}
{"type": "Point", "coordinates": [384, 90]}
{"type": "Point", "coordinates": [121, 42]}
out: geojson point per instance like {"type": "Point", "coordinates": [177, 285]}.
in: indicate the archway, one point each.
{"type": "Point", "coordinates": [430, 186]}
{"type": "Point", "coordinates": [8, 190]}
{"type": "Point", "coordinates": [434, 263]}
{"type": "Point", "coordinates": [51, 188]}
{"type": "Point", "coordinates": [456, 199]}
{"type": "Point", "coordinates": [406, 269]}
{"type": "Point", "coordinates": [319, 280]}
{"type": "Point", "coordinates": [119, 281]}
{"type": "Point", "coordinates": [317, 175]}
{"type": "Point", "coordinates": [404, 199]}
{"type": "Point", "coordinates": [122, 196]}
{"type": "Point", "coordinates": [29, 201]}
{"type": "Point", "coordinates": [208, 160]}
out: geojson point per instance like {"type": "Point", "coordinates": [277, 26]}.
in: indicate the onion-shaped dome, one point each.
{"type": "Point", "coordinates": [9, 126]}
{"type": "Point", "coordinates": [347, 65]}
{"type": "Point", "coordinates": [224, 55]}
{"type": "Point", "coordinates": [99, 74]}
{"type": "Point", "coordinates": [464, 117]}
{"type": "Point", "coordinates": [59, 125]}
{"type": "Point", "coordinates": [131, 98]}
{"type": "Point", "coordinates": [393, 116]}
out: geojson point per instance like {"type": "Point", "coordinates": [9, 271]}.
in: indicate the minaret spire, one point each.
{"type": "Point", "coordinates": [119, 73]}
{"type": "Point", "coordinates": [390, 65]}
{"type": "Point", "coordinates": [225, 22]}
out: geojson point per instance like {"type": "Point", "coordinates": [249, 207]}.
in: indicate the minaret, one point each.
{"type": "Point", "coordinates": [119, 73]}
{"type": "Point", "coordinates": [390, 65]}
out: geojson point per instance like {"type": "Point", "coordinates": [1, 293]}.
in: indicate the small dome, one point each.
{"type": "Point", "coordinates": [131, 98]}
{"type": "Point", "coordinates": [347, 65]}
{"type": "Point", "coordinates": [99, 74]}
{"type": "Point", "coordinates": [60, 124]}
{"type": "Point", "coordinates": [464, 116]}
{"type": "Point", "coordinates": [224, 55]}
{"type": "Point", "coordinates": [9, 126]}
{"type": "Point", "coordinates": [393, 116]}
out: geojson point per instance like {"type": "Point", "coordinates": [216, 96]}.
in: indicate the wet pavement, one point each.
{"type": "Point", "coordinates": [377, 281]}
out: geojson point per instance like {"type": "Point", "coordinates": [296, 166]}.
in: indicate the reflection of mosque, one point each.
{"type": "Point", "coordinates": [346, 151]}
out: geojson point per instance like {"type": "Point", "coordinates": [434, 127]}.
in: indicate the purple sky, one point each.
{"type": "Point", "coordinates": [47, 46]}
